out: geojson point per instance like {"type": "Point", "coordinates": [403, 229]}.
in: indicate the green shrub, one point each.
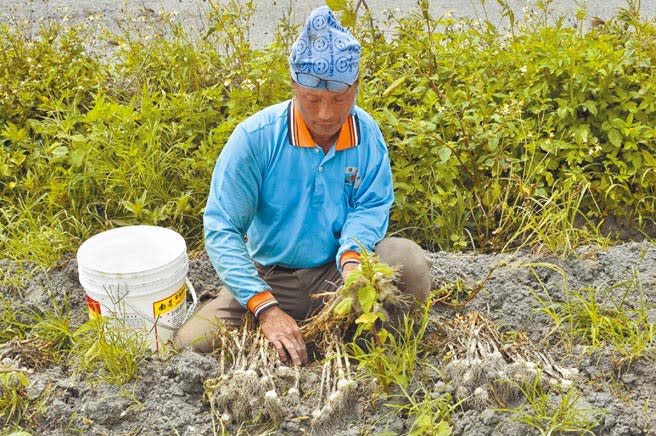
{"type": "Point", "coordinates": [490, 134]}
{"type": "Point", "coordinates": [479, 122]}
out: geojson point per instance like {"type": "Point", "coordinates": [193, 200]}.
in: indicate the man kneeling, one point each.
{"type": "Point", "coordinates": [306, 181]}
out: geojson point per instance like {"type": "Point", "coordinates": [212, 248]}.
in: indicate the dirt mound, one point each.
{"type": "Point", "coordinates": [168, 397]}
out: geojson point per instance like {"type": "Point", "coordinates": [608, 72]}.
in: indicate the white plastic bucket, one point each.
{"type": "Point", "coordinates": [138, 275]}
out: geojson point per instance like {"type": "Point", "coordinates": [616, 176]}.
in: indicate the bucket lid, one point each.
{"type": "Point", "coordinates": [131, 249]}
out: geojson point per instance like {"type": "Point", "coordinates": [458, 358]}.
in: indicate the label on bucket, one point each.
{"type": "Point", "coordinates": [172, 309]}
{"type": "Point", "coordinates": [93, 306]}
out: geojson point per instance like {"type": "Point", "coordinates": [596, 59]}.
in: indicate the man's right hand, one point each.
{"type": "Point", "coordinates": [283, 332]}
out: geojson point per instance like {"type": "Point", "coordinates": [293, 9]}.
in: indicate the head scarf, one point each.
{"type": "Point", "coordinates": [325, 49]}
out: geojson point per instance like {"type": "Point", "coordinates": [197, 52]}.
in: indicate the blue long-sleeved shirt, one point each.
{"type": "Point", "coordinates": [297, 206]}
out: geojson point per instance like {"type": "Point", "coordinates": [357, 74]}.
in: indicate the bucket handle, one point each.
{"type": "Point", "coordinates": [194, 300]}
{"type": "Point", "coordinates": [160, 323]}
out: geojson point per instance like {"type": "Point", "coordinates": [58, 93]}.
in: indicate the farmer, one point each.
{"type": "Point", "coordinates": [295, 189]}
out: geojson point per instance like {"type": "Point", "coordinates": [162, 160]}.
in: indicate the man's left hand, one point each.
{"type": "Point", "coordinates": [348, 269]}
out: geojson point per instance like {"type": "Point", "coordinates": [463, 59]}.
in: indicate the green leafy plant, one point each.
{"type": "Point", "coordinates": [497, 141]}
{"type": "Point", "coordinates": [479, 121]}
{"type": "Point", "coordinates": [394, 362]}
{"type": "Point", "coordinates": [390, 353]}
{"type": "Point", "coordinates": [431, 413]}
{"type": "Point", "coordinates": [365, 292]}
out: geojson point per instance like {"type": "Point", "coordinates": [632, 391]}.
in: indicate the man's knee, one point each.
{"type": "Point", "coordinates": [200, 330]}
{"type": "Point", "coordinates": [409, 257]}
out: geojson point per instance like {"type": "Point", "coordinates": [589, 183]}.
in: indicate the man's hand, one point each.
{"type": "Point", "coordinates": [283, 332]}
{"type": "Point", "coordinates": [348, 269]}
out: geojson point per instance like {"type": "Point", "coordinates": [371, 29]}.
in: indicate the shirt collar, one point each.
{"type": "Point", "coordinates": [299, 135]}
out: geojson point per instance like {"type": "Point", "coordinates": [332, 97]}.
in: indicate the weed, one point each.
{"type": "Point", "coordinates": [54, 328]}
{"type": "Point", "coordinates": [393, 363]}
{"type": "Point", "coordinates": [14, 403]}
{"type": "Point", "coordinates": [14, 277]}
{"type": "Point", "coordinates": [432, 414]}
{"type": "Point", "coordinates": [16, 408]}
{"type": "Point", "coordinates": [553, 222]}
{"type": "Point", "coordinates": [600, 318]}
{"type": "Point", "coordinates": [617, 316]}
{"type": "Point", "coordinates": [14, 321]}
{"type": "Point", "coordinates": [552, 411]}
{"type": "Point", "coordinates": [111, 351]}
{"type": "Point", "coordinates": [36, 337]}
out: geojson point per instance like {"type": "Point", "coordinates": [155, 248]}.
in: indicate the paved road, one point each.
{"type": "Point", "coordinates": [268, 12]}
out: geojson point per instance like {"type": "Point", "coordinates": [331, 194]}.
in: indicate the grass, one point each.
{"type": "Point", "coordinates": [46, 237]}
{"type": "Point", "coordinates": [553, 222]}
{"type": "Point", "coordinates": [39, 336]}
{"type": "Point", "coordinates": [54, 328]}
{"type": "Point", "coordinates": [13, 401]}
{"type": "Point", "coordinates": [43, 337]}
{"type": "Point", "coordinates": [551, 411]}
{"type": "Point", "coordinates": [431, 414]}
{"type": "Point", "coordinates": [615, 316]}
{"type": "Point", "coordinates": [14, 324]}
{"type": "Point", "coordinates": [112, 353]}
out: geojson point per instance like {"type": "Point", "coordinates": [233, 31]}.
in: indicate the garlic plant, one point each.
{"type": "Point", "coordinates": [488, 366]}
{"type": "Point", "coordinates": [254, 386]}
{"type": "Point", "coordinates": [336, 389]}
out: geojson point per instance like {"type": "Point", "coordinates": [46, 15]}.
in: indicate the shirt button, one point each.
{"type": "Point", "coordinates": [321, 169]}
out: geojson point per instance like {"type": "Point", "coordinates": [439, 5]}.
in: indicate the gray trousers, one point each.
{"type": "Point", "coordinates": [293, 288]}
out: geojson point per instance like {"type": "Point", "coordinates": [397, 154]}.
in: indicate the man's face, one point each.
{"type": "Point", "coordinates": [324, 111]}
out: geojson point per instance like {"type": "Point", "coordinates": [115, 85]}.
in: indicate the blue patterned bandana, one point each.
{"type": "Point", "coordinates": [325, 55]}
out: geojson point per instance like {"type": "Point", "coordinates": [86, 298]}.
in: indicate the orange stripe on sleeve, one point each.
{"type": "Point", "coordinates": [261, 301]}
{"type": "Point", "coordinates": [349, 255]}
